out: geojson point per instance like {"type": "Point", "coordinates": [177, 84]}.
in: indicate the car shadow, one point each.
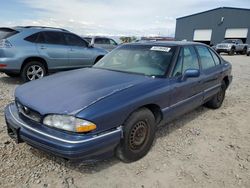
{"type": "Point", "coordinates": [10, 80]}
{"type": "Point", "coordinates": [91, 167]}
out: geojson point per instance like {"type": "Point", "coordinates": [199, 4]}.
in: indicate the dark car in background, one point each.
{"type": "Point", "coordinates": [115, 106]}
{"type": "Point", "coordinates": [33, 51]}
{"type": "Point", "coordinates": [102, 42]}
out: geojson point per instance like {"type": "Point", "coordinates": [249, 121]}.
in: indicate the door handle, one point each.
{"type": "Point", "coordinates": [42, 47]}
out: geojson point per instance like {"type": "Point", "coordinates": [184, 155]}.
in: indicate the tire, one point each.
{"type": "Point", "coordinates": [13, 75]}
{"type": "Point", "coordinates": [248, 54]}
{"type": "Point", "coordinates": [32, 71]}
{"type": "Point", "coordinates": [139, 133]}
{"type": "Point", "coordinates": [244, 52]}
{"type": "Point", "coordinates": [218, 99]}
{"type": "Point", "coordinates": [232, 51]}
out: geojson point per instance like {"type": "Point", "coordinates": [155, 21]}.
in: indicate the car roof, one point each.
{"type": "Point", "coordinates": [167, 43]}
{"type": "Point", "coordinates": [38, 28]}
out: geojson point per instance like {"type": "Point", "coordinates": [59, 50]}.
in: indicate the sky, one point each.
{"type": "Point", "coordinates": [107, 17]}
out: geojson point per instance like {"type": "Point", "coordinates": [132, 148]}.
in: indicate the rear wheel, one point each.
{"type": "Point", "coordinates": [244, 51]}
{"type": "Point", "coordinates": [32, 71]}
{"type": "Point", "coordinates": [218, 99]}
{"type": "Point", "coordinates": [139, 134]}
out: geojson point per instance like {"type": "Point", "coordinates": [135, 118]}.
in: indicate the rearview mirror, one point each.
{"type": "Point", "coordinates": [190, 73]}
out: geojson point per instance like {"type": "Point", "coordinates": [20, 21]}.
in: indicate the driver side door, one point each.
{"type": "Point", "coordinates": [187, 94]}
{"type": "Point", "coordinates": [80, 54]}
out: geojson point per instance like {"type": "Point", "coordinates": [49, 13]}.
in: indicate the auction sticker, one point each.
{"type": "Point", "coordinates": [160, 48]}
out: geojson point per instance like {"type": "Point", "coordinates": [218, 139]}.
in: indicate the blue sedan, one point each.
{"type": "Point", "coordinates": [115, 106]}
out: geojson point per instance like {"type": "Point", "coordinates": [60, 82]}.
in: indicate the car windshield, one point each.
{"type": "Point", "coordinates": [229, 41]}
{"type": "Point", "coordinates": [138, 59]}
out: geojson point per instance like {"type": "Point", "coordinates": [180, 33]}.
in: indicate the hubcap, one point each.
{"type": "Point", "coordinates": [35, 72]}
{"type": "Point", "coordinates": [138, 135]}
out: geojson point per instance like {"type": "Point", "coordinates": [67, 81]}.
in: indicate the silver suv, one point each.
{"type": "Point", "coordinates": [32, 52]}
{"type": "Point", "coordinates": [102, 42]}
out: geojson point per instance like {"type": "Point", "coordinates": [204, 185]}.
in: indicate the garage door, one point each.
{"type": "Point", "coordinates": [202, 34]}
{"type": "Point", "coordinates": [236, 33]}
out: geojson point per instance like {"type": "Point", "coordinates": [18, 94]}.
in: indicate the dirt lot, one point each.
{"type": "Point", "coordinates": [205, 148]}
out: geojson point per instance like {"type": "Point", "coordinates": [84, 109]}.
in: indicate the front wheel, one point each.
{"type": "Point", "coordinates": [139, 134]}
{"type": "Point", "coordinates": [218, 99]}
{"type": "Point", "coordinates": [232, 51]}
{"type": "Point", "coordinates": [32, 71]}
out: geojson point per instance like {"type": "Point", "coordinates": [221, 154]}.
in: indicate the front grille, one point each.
{"type": "Point", "coordinates": [28, 113]}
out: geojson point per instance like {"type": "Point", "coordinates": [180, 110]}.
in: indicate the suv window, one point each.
{"type": "Point", "coordinates": [215, 57]}
{"type": "Point", "coordinates": [187, 60]}
{"type": "Point", "coordinates": [32, 38]}
{"type": "Point", "coordinates": [74, 40]}
{"type": "Point", "coordinates": [52, 37]}
{"type": "Point", "coordinates": [206, 58]}
{"type": "Point", "coordinates": [112, 42]}
{"type": "Point", "coordinates": [102, 41]}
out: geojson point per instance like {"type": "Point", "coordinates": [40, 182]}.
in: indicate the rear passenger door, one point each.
{"type": "Point", "coordinates": [52, 46]}
{"type": "Point", "coordinates": [186, 94]}
{"type": "Point", "coordinates": [80, 55]}
{"type": "Point", "coordinates": [211, 71]}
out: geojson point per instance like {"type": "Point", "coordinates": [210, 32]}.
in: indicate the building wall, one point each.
{"type": "Point", "coordinates": [233, 18]}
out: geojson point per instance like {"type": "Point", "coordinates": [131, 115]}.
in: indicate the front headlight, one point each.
{"type": "Point", "coordinates": [69, 123]}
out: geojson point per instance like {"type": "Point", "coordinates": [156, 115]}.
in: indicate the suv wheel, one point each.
{"type": "Point", "coordinates": [244, 52]}
{"type": "Point", "coordinates": [139, 134]}
{"type": "Point", "coordinates": [232, 51]}
{"type": "Point", "coordinates": [32, 71]}
{"type": "Point", "coordinates": [218, 99]}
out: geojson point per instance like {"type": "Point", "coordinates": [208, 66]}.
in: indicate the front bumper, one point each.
{"type": "Point", "coordinates": [66, 145]}
{"type": "Point", "coordinates": [224, 50]}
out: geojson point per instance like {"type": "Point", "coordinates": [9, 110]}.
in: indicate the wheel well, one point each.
{"type": "Point", "coordinates": [233, 47]}
{"type": "Point", "coordinates": [226, 80]}
{"type": "Point", "coordinates": [156, 110]}
{"type": "Point", "coordinates": [35, 59]}
{"type": "Point", "coordinates": [98, 58]}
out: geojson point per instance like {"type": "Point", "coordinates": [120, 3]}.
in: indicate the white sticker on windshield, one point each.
{"type": "Point", "coordinates": [160, 48]}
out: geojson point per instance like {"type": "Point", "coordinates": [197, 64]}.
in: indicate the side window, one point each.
{"type": "Point", "coordinates": [112, 42]}
{"type": "Point", "coordinates": [190, 59]}
{"type": "Point", "coordinates": [32, 38]}
{"type": "Point", "coordinates": [52, 37]}
{"type": "Point", "coordinates": [74, 40]}
{"type": "Point", "coordinates": [206, 58]}
{"type": "Point", "coordinates": [41, 38]}
{"type": "Point", "coordinates": [215, 57]}
{"type": "Point", "coordinates": [99, 41]}
{"type": "Point", "coordinates": [187, 60]}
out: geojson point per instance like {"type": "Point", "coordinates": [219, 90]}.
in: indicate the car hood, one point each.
{"type": "Point", "coordinates": [225, 44]}
{"type": "Point", "coordinates": [70, 92]}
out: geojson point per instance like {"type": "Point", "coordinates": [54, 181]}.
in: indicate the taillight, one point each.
{"type": "Point", "coordinates": [5, 44]}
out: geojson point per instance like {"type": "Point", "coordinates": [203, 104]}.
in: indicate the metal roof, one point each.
{"type": "Point", "coordinates": [234, 8]}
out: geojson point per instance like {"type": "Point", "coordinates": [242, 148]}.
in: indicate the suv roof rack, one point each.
{"type": "Point", "coordinates": [43, 27]}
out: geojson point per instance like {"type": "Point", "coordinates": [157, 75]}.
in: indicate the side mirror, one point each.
{"type": "Point", "coordinates": [190, 73]}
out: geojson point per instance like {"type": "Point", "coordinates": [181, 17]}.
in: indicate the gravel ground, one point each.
{"type": "Point", "coordinates": [204, 148]}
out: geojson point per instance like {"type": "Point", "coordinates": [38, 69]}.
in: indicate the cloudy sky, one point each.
{"type": "Point", "coordinates": [107, 17]}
